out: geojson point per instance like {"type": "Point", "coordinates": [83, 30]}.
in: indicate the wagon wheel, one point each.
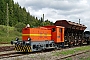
{"type": "Point", "coordinates": [70, 44]}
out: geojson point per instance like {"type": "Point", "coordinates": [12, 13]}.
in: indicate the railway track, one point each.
{"type": "Point", "coordinates": [73, 55]}
{"type": "Point", "coordinates": [6, 48]}
{"type": "Point", "coordinates": [8, 55]}
{"type": "Point", "coordinates": [15, 54]}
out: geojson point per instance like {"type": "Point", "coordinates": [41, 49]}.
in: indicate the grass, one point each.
{"type": "Point", "coordinates": [69, 59]}
{"type": "Point", "coordinates": [88, 58]}
{"type": "Point", "coordinates": [32, 56]}
{"type": "Point", "coordinates": [7, 37]}
{"type": "Point", "coordinates": [80, 57]}
{"type": "Point", "coordinates": [72, 51]}
{"type": "Point", "coordinates": [64, 52]}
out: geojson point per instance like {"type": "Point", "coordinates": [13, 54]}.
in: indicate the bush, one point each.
{"type": "Point", "coordinates": [19, 26]}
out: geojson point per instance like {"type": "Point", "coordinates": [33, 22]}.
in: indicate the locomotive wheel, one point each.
{"type": "Point", "coordinates": [57, 47]}
{"type": "Point", "coordinates": [81, 43]}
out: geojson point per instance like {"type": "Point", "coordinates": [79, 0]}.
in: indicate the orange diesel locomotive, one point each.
{"type": "Point", "coordinates": [41, 38]}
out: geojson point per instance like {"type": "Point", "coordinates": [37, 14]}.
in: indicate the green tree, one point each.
{"type": "Point", "coordinates": [19, 26]}
{"type": "Point", "coordinates": [2, 12]}
{"type": "Point", "coordinates": [18, 14]}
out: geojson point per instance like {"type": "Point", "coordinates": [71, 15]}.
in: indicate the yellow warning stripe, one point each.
{"type": "Point", "coordinates": [36, 34]}
{"type": "Point", "coordinates": [23, 48]}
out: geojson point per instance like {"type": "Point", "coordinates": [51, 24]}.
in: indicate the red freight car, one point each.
{"type": "Point", "coordinates": [73, 32]}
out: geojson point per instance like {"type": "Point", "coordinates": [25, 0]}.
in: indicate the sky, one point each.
{"type": "Point", "coordinates": [70, 10]}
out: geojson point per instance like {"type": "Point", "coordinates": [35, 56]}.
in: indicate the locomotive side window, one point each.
{"type": "Point", "coordinates": [53, 29]}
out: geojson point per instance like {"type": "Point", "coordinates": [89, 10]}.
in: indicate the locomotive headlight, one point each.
{"type": "Point", "coordinates": [17, 39]}
{"type": "Point", "coordinates": [29, 39]}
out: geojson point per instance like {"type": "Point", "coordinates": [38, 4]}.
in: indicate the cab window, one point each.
{"type": "Point", "coordinates": [53, 30]}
